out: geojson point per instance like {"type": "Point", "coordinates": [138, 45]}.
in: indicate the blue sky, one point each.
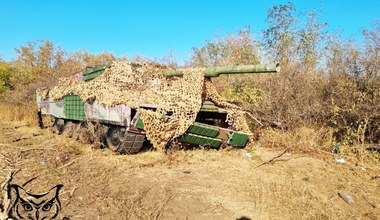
{"type": "Point", "coordinates": [152, 28]}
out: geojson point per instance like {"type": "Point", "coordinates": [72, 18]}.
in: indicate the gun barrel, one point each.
{"type": "Point", "coordinates": [239, 69]}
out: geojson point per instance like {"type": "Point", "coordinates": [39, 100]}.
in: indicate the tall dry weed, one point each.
{"type": "Point", "coordinates": [26, 113]}
{"type": "Point", "coordinates": [304, 139]}
{"type": "Point", "coordinates": [293, 99]}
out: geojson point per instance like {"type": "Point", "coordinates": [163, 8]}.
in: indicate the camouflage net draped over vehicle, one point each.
{"type": "Point", "coordinates": [235, 115]}
{"type": "Point", "coordinates": [178, 99]}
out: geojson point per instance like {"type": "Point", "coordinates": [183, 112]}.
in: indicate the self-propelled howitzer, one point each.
{"type": "Point", "coordinates": [120, 126]}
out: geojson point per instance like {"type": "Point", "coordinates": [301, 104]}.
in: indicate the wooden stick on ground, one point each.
{"type": "Point", "coordinates": [4, 205]}
{"type": "Point", "coordinates": [30, 180]}
{"type": "Point", "coordinates": [254, 118]}
{"type": "Point", "coordinates": [4, 185]}
{"type": "Point", "coordinates": [269, 161]}
{"type": "Point", "coordinates": [68, 164]}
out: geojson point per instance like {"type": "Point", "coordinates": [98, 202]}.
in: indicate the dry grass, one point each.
{"type": "Point", "coordinates": [195, 184]}
{"type": "Point", "coordinates": [26, 113]}
{"type": "Point", "coordinates": [315, 142]}
{"type": "Point", "coordinates": [302, 139]}
{"type": "Point", "coordinates": [276, 199]}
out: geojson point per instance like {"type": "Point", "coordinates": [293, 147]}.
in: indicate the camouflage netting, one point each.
{"type": "Point", "coordinates": [235, 116]}
{"type": "Point", "coordinates": [137, 83]}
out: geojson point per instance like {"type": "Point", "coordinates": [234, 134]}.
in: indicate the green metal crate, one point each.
{"type": "Point", "coordinates": [200, 140]}
{"type": "Point", "coordinates": [73, 107]}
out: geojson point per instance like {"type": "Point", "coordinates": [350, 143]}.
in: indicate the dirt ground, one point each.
{"type": "Point", "coordinates": [192, 184]}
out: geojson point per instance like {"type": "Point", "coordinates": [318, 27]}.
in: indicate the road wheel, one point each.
{"type": "Point", "coordinates": [114, 138]}
{"type": "Point", "coordinates": [59, 125]}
